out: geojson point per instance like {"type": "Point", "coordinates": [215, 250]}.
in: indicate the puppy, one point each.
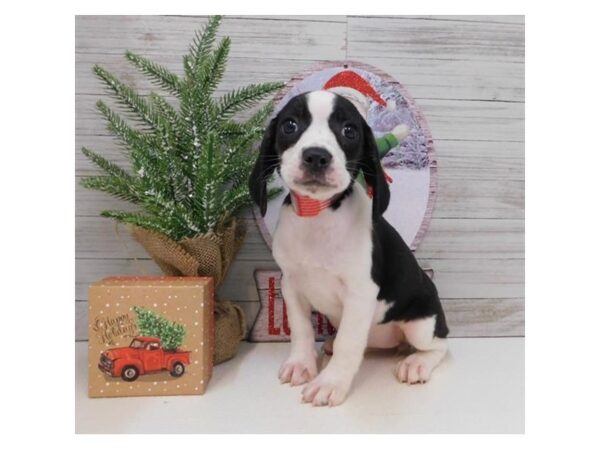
{"type": "Point", "coordinates": [338, 254]}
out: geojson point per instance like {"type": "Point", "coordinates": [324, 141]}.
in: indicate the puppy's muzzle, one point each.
{"type": "Point", "coordinates": [316, 159]}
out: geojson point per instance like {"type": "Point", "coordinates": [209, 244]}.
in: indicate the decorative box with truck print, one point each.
{"type": "Point", "coordinates": [150, 336]}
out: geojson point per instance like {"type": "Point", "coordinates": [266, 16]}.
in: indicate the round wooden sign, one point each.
{"type": "Point", "coordinates": [402, 135]}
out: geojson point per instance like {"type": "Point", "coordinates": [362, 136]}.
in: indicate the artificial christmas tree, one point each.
{"type": "Point", "coordinates": [189, 167]}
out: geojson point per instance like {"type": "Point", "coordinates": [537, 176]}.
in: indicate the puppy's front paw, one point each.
{"type": "Point", "coordinates": [415, 368]}
{"type": "Point", "coordinates": [298, 370]}
{"type": "Point", "coordinates": [327, 389]}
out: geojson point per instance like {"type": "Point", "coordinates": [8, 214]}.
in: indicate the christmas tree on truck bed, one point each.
{"type": "Point", "coordinates": [171, 334]}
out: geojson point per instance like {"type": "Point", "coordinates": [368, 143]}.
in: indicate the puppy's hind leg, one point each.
{"type": "Point", "coordinates": [328, 345]}
{"type": "Point", "coordinates": [417, 367]}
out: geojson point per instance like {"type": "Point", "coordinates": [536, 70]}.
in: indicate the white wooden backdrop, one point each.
{"type": "Point", "coordinates": [466, 73]}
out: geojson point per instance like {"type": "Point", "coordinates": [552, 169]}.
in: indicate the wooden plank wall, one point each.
{"type": "Point", "coordinates": [466, 73]}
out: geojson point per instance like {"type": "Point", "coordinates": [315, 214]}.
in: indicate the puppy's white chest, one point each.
{"type": "Point", "coordinates": [317, 273]}
{"type": "Point", "coordinates": [298, 244]}
{"type": "Point", "coordinates": [324, 256]}
{"type": "Point", "coordinates": [331, 241]}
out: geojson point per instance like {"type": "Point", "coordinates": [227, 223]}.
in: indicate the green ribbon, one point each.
{"type": "Point", "coordinates": [384, 144]}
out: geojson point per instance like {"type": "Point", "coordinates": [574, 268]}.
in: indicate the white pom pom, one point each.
{"type": "Point", "coordinates": [401, 131]}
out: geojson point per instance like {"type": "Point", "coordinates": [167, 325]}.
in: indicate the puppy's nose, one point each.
{"type": "Point", "coordinates": [316, 158]}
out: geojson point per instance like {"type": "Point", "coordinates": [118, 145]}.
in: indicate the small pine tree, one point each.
{"type": "Point", "coordinates": [190, 164]}
{"type": "Point", "coordinates": [171, 334]}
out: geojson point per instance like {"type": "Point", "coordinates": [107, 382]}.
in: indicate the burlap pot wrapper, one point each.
{"type": "Point", "coordinates": [230, 329]}
{"type": "Point", "coordinates": [207, 255]}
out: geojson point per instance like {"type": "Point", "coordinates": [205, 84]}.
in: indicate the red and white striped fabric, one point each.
{"type": "Point", "coordinates": [305, 206]}
{"type": "Point", "coordinates": [308, 207]}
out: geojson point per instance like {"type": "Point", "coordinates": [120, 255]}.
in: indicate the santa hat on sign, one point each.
{"type": "Point", "coordinates": [355, 88]}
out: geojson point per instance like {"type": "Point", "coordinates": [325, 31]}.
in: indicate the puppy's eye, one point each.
{"type": "Point", "coordinates": [289, 127]}
{"type": "Point", "coordinates": [349, 131]}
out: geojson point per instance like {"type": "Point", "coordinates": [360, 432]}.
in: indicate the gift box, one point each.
{"type": "Point", "coordinates": [150, 336]}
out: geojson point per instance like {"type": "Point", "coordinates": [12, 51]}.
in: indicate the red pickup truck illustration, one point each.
{"type": "Point", "coordinates": [144, 355]}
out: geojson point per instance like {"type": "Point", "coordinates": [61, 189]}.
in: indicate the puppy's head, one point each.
{"type": "Point", "coordinates": [318, 143]}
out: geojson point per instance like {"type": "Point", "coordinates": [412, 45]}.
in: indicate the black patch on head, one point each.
{"type": "Point", "coordinates": [356, 139]}
{"type": "Point", "coordinates": [344, 115]}
{"type": "Point", "coordinates": [297, 111]}
{"type": "Point", "coordinates": [276, 140]}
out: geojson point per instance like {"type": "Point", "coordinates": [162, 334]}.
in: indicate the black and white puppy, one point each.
{"type": "Point", "coordinates": [347, 262]}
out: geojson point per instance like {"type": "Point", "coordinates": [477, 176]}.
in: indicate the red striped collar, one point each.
{"type": "Point", "coordinates": [305, 206]}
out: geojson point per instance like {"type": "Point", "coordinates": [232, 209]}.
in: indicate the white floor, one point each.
{"type": "Point", "coordinates": [479, 388]}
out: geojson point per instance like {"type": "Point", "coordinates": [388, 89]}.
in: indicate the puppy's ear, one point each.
{"type": "Point", "coordinates": [263, 168]}
{"type": "Point", "coordinates": [373, 172]}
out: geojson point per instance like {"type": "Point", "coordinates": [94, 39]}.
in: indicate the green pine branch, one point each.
{"type": "Point", "coordinates": [244, 98]}
{"type": "Point", "coordinates": [130, 137]}
{"type": "Point", "coordinates": [127, 96]}
{"type": "Point", "coordinates": [215, 67]}
{"type": "Point", "coordinates": [160, 75]}
{"type": "Point", "coordinates": [141, 220]}
{"type": "Point", "coordinates": [105, 165]}
{"type": "Point", "coordinates": [203, 42]}
{"type": "Point", "coordinates": [117, 187]}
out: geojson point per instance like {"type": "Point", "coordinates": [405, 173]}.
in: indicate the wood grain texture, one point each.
{"type": "Point", "coordinates": [251, 36]}
{"type": "Point", "coordinates": [435, 39]}
{"type": "Point", "coordinates": [452, 238]}
{"type": "Point", "coordinates": [465, 72]}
